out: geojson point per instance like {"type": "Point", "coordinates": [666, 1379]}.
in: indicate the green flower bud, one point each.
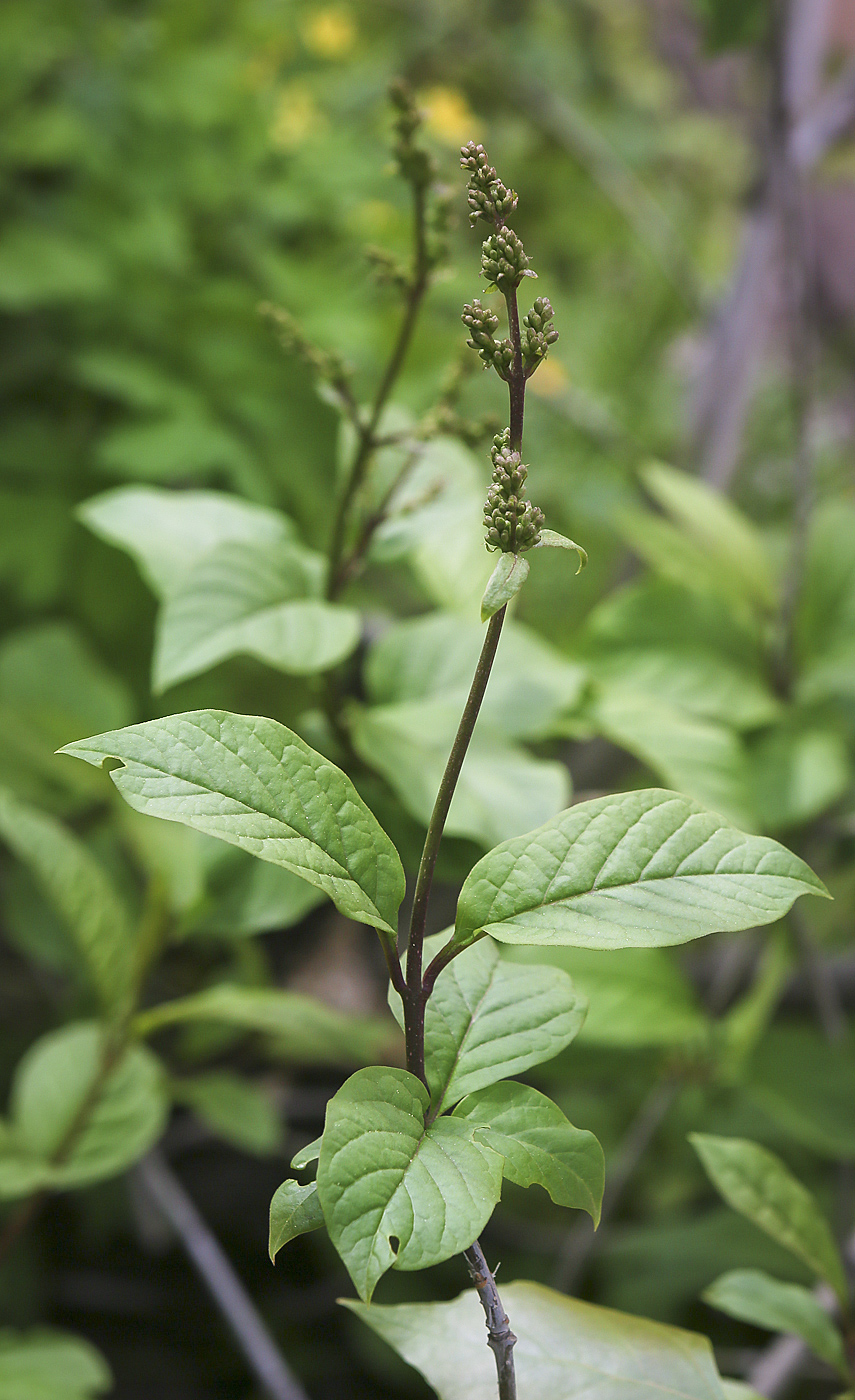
{"type": "Point", "coordinates": [512, 524]}
{"type": "Point", "coordinates": [538, 334]}
{"type": "Point", "coordinates": [489, 199]}
{"type": "Point", "coordinates": [503, 260]}
{"type": "Point", "coordinates": [482, 323]}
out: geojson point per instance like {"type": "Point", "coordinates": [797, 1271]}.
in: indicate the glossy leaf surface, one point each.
{"type": "Point", "coordinates": [393, 1190]}
{"type": "Point", "coordinates": [257, 785]}
{"type": "Point", "coordinates": [637, 869]}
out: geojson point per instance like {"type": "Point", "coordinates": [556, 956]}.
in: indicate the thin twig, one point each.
{"type": "Point", "coordinates": [500, 1338]}
{"type": "Point", "coordinates": [204, 1249]}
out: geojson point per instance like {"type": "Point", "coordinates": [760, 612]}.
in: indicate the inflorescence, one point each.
{"type": "Point", "coordinates": [512, 523]}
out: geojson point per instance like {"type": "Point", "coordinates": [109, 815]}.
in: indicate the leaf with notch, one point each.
{"type": "Point", "coordinates": [295, 1210]}
{"type": "Point", "coordinates": [395, 1190]}
{"type": "Point", "coordinates": [489, 1018]}
{"type": "Point", "coordinates": [257, 785]}
{"type": "Point", "coordinates": [753, 1296]}
{"type": "Point", "coordinates": [538, 1144]}
{"type": "Point", "coordinates": [255, 599]}
{"type": "Point", "coordinates": [637, 869]}
{"type": "Point", "coordinates": [756, 1183]}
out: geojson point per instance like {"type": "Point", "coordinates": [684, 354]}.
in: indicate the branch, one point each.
{"type": "Point", "coordinates": [500, 1338]}
{"type": "Point", "coordinates": [215, 1270]}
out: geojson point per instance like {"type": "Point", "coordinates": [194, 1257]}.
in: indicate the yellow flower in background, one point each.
{"type": "Point", "coordinates": [330, 32]}
{"type": "Point", "coordinates": [296, 118]}
{"type": "Point", "coordinates": [550, 379]}
{"type": "Point", "coordinates": [448, 115]}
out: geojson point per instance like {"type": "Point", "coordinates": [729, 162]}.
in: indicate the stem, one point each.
{"type": "Point", "coordinates": [516, 382]}
{"type": "Point", "coordinates": [414, 1003]}
{"type": "Point", "coordinates": [500, 1338]}
{"type": "Point", "coordinates": [269, 1367]}
{"type": "Point", "coordinates": [337, 572]}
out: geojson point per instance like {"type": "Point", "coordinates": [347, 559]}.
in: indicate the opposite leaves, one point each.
{"type": "Point", "coordinates": [638, 869]}
{"type": "Point", "coordinates": [394, 1190]}
{"type": "Point", "coordinates": [257, 785]}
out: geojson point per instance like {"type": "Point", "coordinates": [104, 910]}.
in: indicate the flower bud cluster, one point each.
{"type": "Point", "coordinates": [489, 199]}
{"type": "Point", "coordinates": [482, 324]}
{"type": "Point", "coordinates": [503, 260]}
{"type": "Point", "coordinates": [538, 334]}
{"type": "Point", "coordinates": [512, 523]}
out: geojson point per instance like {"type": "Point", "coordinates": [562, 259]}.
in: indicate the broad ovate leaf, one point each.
{"type": "Point", "coordinates": [46, 1364]}
{"type": "Point", "coordinates": [304, 1029]}
{"type": "Point", "coordinates": [257, 785]}
{"type": "Point", "coordinates": [253, 599]}
{"type": "Point", "coordinates": [79, 890]}
{"type": "Point", "coordinates": [166, 532]}
{"type": "Point", "coordinates": [753, 1296]}
{"type": "Point", "coordinates": [637, 869]}
{"type": "Point", "coordinates": [504, 583]}
{"type": "Point", "coordinates": [395, 1190]}
{"type": "Point", "coordinates": [295, 1210]}
{"type": "Point", "coordinates": [57, 1080]}
{"type": "Point", "coordinates": [489, 1018]}
{"type": "Point", "coordinates": [756, 1183]}
{"type": "Point", "coordinates": [539, 1145]}
{"type": "Point", "coordinates": [566, 1349]}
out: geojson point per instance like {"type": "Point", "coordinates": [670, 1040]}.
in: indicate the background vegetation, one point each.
{"type": "Point", "coordinates": [686, 185]}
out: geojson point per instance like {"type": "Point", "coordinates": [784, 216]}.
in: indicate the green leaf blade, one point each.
{"type": "Point", "coordinates": [489, 1018]}
{"type": "Point", "coordinates": [394, 1191]}
{"type": "Point", "coordinates": [753, 1296]}
{"type": "Point", "coordinates": [638, 869]}
{"type": "Point", "coordinates": [257, 785]}
{"type": "Point", "coordinates": [46, 1364]}
{"type": "Point", "coordinates": [295, 1210]}
{"type": "Point", "coordinates": [539, 1144]}
{"type": "Point", "coordinates": [756, 1183]}
{"type": "Point", "coordinates": [504, 583]}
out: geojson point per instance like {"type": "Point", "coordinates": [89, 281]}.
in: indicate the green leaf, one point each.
{"type": "Point", "coordinates": [539, 1145]}
{"type": "Point", "coordinates": [797, 770]}
{"type": "Point", "coordinates": [305, 1029]}
{"type": "Point", "coordinates": [700, 757]}
{"type": "Point", "coordinates": [504, 583]}
{"type": "Point", "coordinates": [257, 785]}
{"type": "Point", "coordinates": [566, 1349]}
{"type": "Point", "coordinates": [703, 684]}
{"type": "Point", "coordinates": [755, 1297]}
{"type": "Point", "coordinates": [501, 788]}
{"type": "Point", "coordinates": [256, 599]}
{"type": "Point", "coordinates": [550, 539]}
{"type": "Point", "coordinates": [295, 1210]}
{"type": "Point", "coordinates": [45, 1364]}
{"type": "Point", "coordinates": [78, 889]}
{"type": "Point", "coordinates": [636, 996]}
{"type": "Point", "coordinates": [240, 1112]}
{"type": "Point", "coordinates": [807, 1086]}
{"type": "Point", "coordinates": [395, 1191]}
{"type": "Point", "coordinates": [638, 869]}
{"type": "Point", "coordinates": [489, 1018]}
{"type": "Point", "coordinates": [755, 1182]}
{"type": "Point", "coordinates": [531, 684]}
{"type": "Point", "coordinates": [168, 531]}
{"type": "Point", "coordinates": [249, 896]}
{"type": "Point", "coordinates": [308, 1154]}
{"type": "Point", "coordinates": [60, 1076]}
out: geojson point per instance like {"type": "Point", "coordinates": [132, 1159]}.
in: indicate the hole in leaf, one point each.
{"type": "Point", "coordinates": [394, 1243]}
